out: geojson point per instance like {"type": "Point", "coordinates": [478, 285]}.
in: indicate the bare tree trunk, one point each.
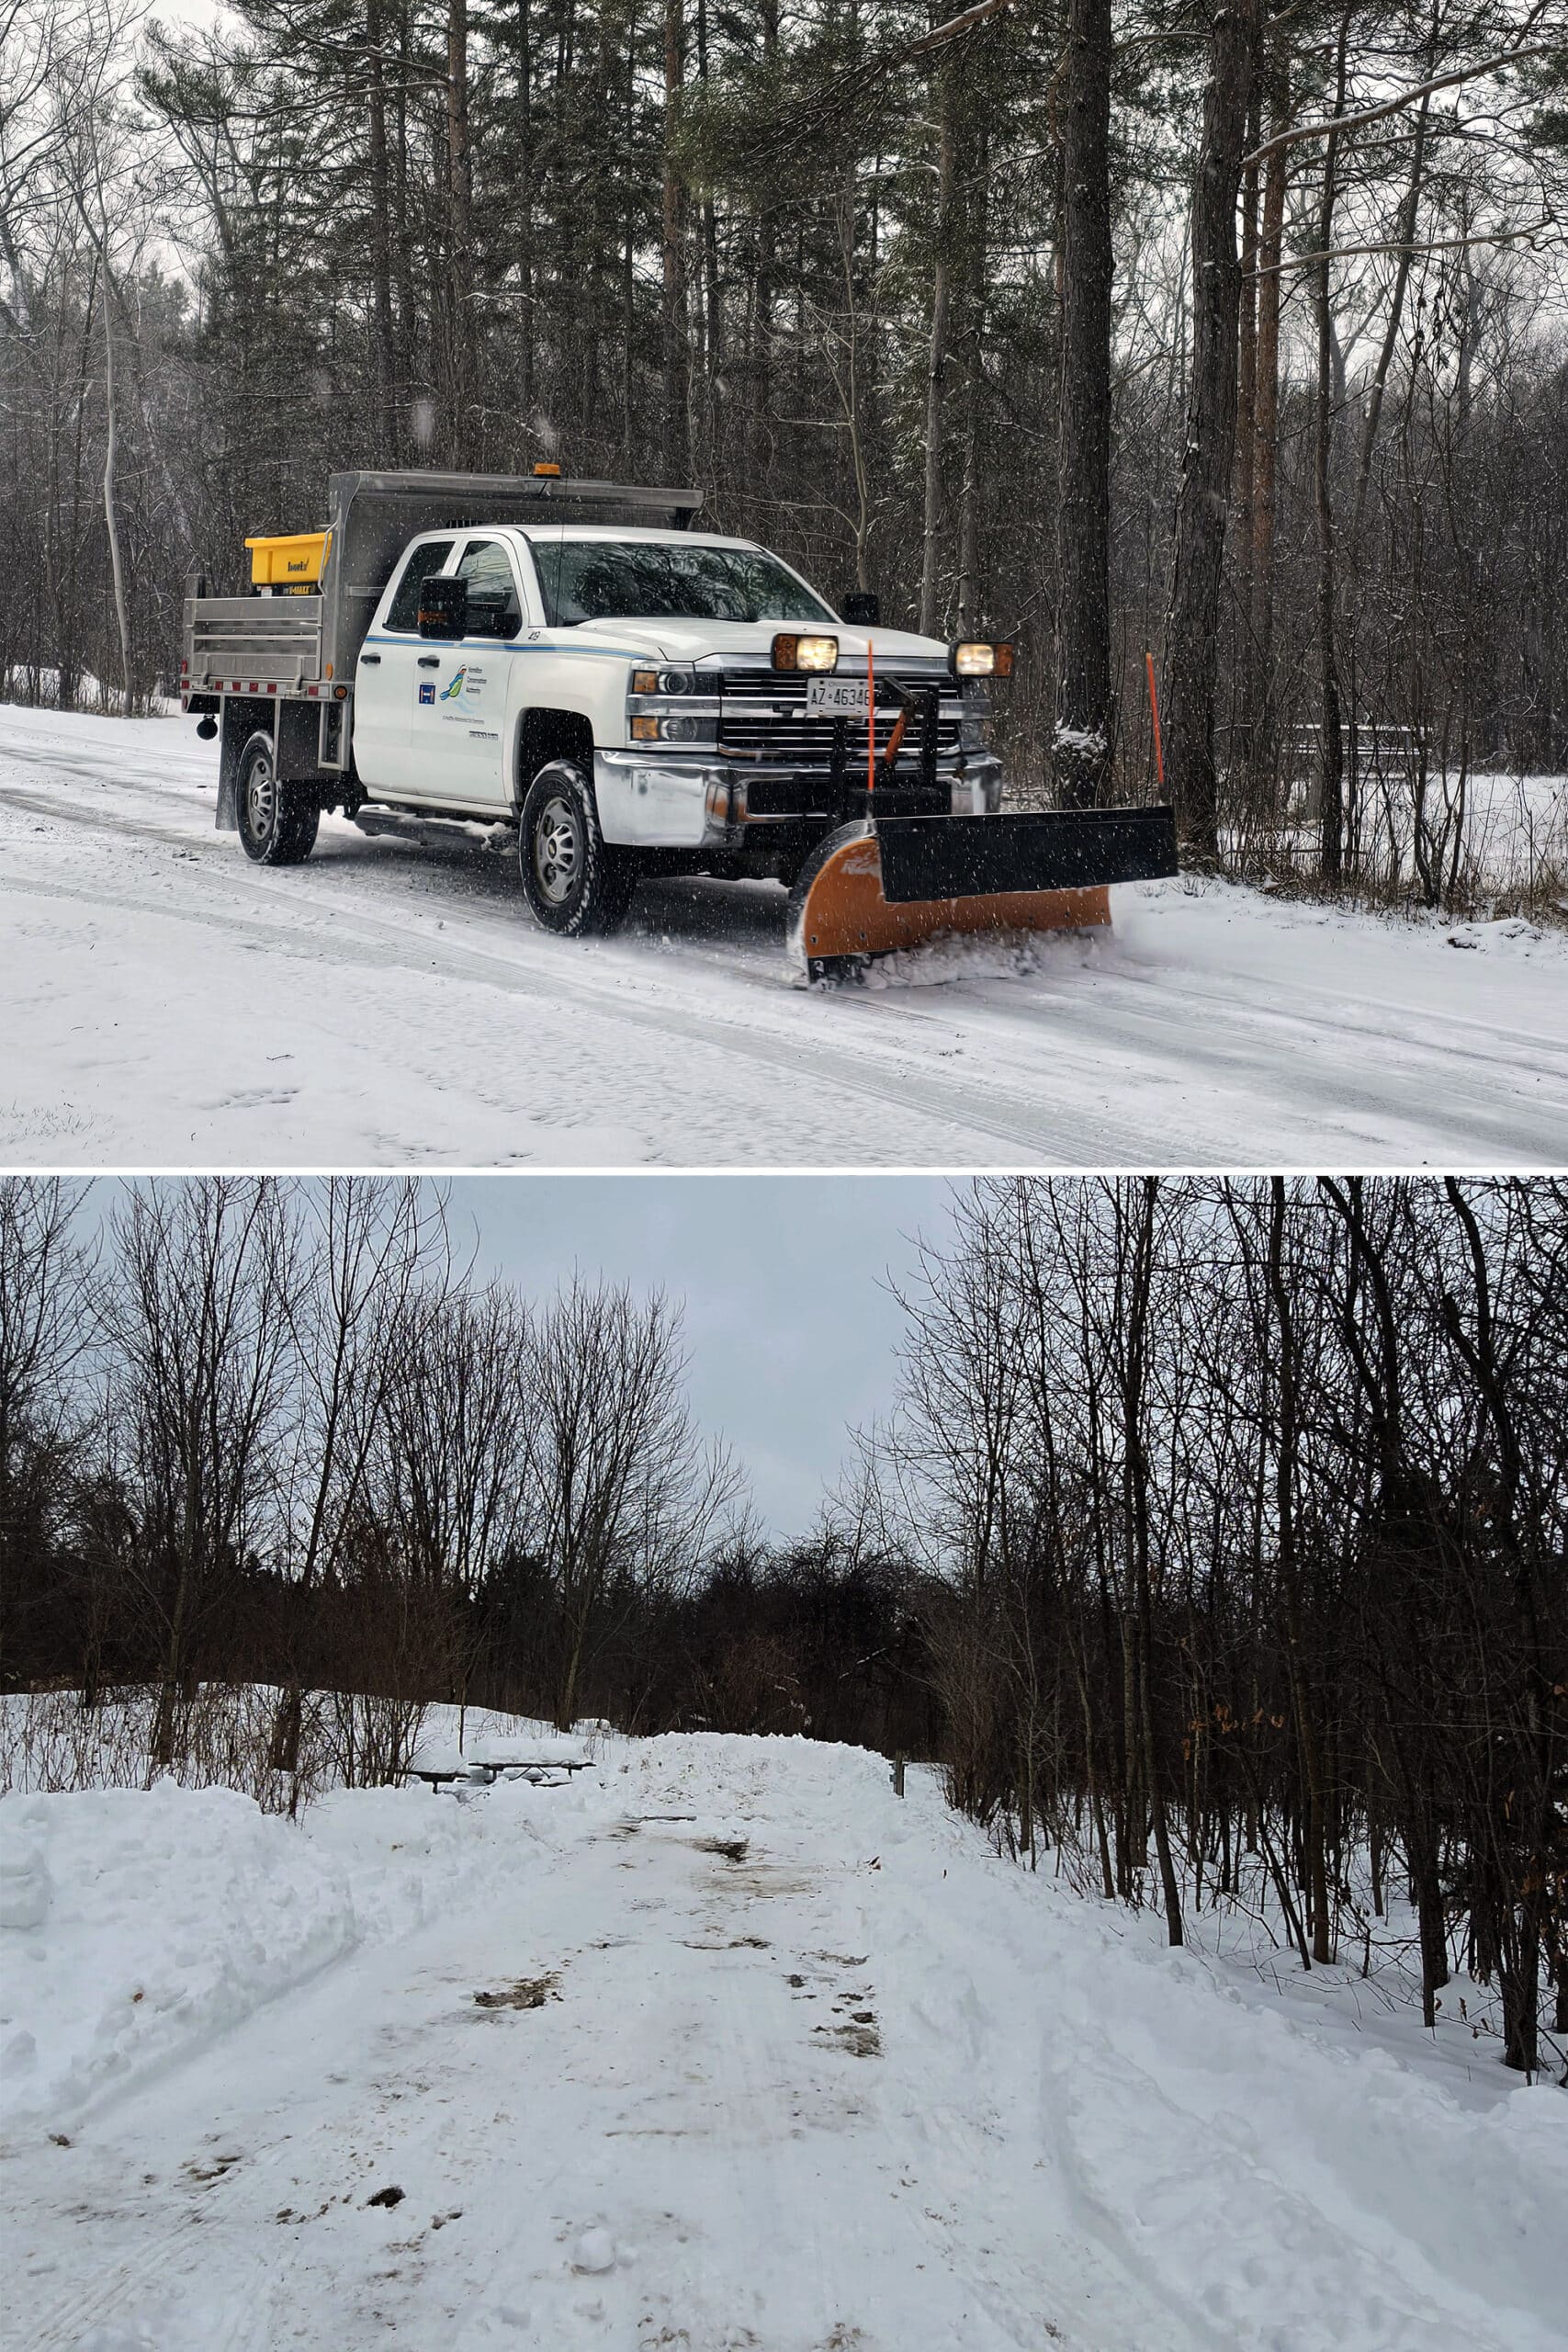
{"type": "Point", "coordinates": [1289, 1579]}
{"type": "Point", "coordinates": [462, 387]}
{"type": "Point", "coordinates": [1192, 646]}
{"type": "Point", "coordinates": [967, 593]}
{"type": "Point", "coordinates": [1405, 235]}
{"type": "Point", "coordinates": [713, 313]}
{"type": "Point", "coordinates": [936, 356]}
{"type": "Point", "coordinates": [1332, 750]}
{"type": "Point", "coordinates": [381, 240]}
{"type": "Point", "coordinates": [98, 231]}
{"type": "Point", "coordinates": [1266, 429]}
{"type": "Point", "coordinates": [1081, 749]}
{"type": "Point", "coordinates": [111, 517]}
{"type": "Point", "coordinates": [677, 346]}
{"type": "Point", "coordinates": [1246, 454]}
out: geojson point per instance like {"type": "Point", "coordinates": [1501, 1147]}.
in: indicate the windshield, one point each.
{"type": "Point", "coordinates": [594, 580]}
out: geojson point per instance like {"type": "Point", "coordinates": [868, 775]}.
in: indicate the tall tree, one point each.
{"type": "Point", "coordinates": [1192, 638]}
{"type": "Point", "coordinates": [1082, 740]}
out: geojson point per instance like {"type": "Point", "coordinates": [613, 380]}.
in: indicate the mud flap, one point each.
{"type": "Point", "coordinates": [871, 888]}
{"type": "Point", "coordinates": [240, 719]}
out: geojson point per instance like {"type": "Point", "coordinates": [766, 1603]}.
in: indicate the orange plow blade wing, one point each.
{"type": "Point", "coordinates": [838, 909]}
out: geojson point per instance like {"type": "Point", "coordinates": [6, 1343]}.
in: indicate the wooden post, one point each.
{"type": "Point", "coordinates": [1154, 718]}
{"type": "Point", "coordinates": [898, 1775]}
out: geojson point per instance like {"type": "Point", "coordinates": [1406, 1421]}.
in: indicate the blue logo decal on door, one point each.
{"type": "Point", "coordinates": [427, 694]}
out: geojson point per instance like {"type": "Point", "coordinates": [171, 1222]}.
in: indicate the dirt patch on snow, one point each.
{"type": "Point", "coordinates": [527, 1992]}
{"type": "Point", "coordinates": [859, 2036]}
{"type": "Point", "coordinates": [728, 1850]}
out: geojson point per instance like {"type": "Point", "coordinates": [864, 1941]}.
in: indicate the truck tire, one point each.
{"type": "Point", "coordinates": [277, 823]}
{"type": "Point", "coordinates": [576, 884]}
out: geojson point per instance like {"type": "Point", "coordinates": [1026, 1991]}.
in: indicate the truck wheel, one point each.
{"type": "Point", "coordinates": [278, 823]}
{"type": "Point", "coordinates": [576, 882]}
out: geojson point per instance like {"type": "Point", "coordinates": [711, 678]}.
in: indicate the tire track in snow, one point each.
{"type": "Point", "coordinates": [1093, 1058]}
{"type": "Point", "coordinates": [962, 1114]}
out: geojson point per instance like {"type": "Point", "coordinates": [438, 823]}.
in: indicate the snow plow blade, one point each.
{"type": "Point", "coordinates": [873, 888]}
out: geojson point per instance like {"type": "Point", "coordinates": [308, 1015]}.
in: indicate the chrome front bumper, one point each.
{"type": "Point", "coordinates": [638, 778]}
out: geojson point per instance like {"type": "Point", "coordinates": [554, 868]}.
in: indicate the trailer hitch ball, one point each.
{"type": "Point", "coordinates": [207, 728]}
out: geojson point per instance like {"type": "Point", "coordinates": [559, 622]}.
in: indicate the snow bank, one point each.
{"type": "Point", "coordinates": [1292, 2185]}
{"type": "Point", "coordinates": [1056, 2130]}
{"type": "Point", "coordinates": [136, 1927]}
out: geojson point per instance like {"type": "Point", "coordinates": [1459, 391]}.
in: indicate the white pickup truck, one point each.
{"type": "Point", "coordinates": [636, 696]}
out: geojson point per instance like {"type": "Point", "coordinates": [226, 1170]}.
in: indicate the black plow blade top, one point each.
{"type": "Point", "coordinates": [1060, 848]}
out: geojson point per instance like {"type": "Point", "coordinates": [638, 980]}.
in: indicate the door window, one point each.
{"type": "Point", "coordinates": [429, 556]}
{"type": "Point", "coordinates": [494, 607]}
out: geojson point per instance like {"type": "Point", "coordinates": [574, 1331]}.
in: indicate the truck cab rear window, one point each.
{"type": "Point", "coordinates": [493, 607]}
{"type": "Point", "coordinates": [430, 556]}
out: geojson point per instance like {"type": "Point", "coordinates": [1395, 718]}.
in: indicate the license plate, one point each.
{"type": "Point", "coordinates": [838, 698]}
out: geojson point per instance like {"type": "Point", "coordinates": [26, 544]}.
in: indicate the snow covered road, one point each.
{"type": "Point", "coordinates": [165, 1003]}
{"type": "Point", "coordinates": [765, 2058]}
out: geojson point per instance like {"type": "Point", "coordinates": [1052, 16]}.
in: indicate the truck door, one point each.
{"type": "Point", "coordinates": [460, 724]}
{"type": "Point", "coordinates": [394, 664]}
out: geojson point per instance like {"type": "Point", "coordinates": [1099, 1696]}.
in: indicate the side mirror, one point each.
{"type": "Point", "coordinates": [862, 608]}
{"type": "Point", "coordinates": [442, 607]}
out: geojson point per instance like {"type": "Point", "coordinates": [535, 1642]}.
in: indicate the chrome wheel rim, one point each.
{"type": "Point", "coordinates": [556, 849]}
{"type": "Point", "coordinates": [261, 797]}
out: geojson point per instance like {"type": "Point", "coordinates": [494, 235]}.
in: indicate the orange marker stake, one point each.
{"type": "Point", "coordinates": [870, 717]}
{"type": "Point", "coordinates": [1154, 713]}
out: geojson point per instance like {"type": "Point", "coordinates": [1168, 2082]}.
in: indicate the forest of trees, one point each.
{"type": "Point", "coordinates": [1215, 1537]}
{"type": "Point", "coordinates": [1234, 335]}
{"type": "Point", "coordinates": [1251, 1496]}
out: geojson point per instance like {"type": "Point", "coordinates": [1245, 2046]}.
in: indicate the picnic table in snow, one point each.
{"type": "Point", "coordinates": [530, 1760]}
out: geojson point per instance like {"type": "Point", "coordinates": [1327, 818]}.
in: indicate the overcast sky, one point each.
{"type": "Point", "coordinates": [789, 1323]}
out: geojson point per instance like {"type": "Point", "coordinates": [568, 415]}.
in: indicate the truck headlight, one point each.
{"type": "Point", "coordinates": [806, 653]}
{"type": "Point", "coordinates": [974, 661]}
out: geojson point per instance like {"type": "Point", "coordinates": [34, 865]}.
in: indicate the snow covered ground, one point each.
{"type": "Point", "coordinates": [165, 1003]}
{"type": "Point", "coordinates": [721, 2047]}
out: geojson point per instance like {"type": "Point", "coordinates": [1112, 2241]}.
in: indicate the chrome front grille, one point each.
{"type": "Point", "coordinates": [762, 717]}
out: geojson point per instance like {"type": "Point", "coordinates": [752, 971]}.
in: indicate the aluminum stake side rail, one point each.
{"type": "Point", "coordinates": [635, 696]}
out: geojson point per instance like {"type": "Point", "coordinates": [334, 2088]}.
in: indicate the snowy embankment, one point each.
{"type": "Point", "coordinates": [167, 1003]}
{"type": "Point", "coordinates": [139, 1925]}
{"type": "Point", "coordinates": [146, 1921]}
{"type": "Point", "coordinates": [723, 2045]}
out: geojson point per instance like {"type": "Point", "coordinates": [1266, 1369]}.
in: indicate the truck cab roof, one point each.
{"type": "Point", "coordinates": [547, 532]}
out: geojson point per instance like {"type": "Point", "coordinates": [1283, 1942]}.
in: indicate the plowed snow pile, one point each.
{"type": "Point", "coordinates": [723, 2046]}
